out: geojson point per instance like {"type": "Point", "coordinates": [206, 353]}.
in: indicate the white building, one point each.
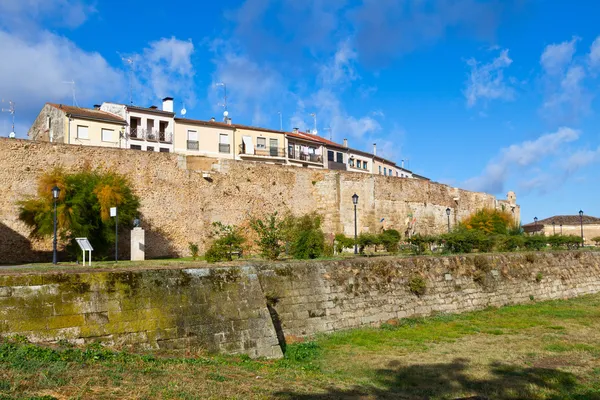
{"type": "Point", "coordinates": [148, 129]}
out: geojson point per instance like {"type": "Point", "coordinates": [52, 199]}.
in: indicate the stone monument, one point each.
{"type": "Point", "coordinates": [138, 242]}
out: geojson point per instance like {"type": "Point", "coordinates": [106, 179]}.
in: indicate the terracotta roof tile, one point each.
{"type": "Point", "coordinates": [566, 220]}
{"type": "Point", "coordinates": [88, 113]}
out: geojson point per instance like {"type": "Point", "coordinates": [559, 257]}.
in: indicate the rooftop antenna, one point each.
{"type": "Point", "coordinates": [224, 104]}
{"type": "Point", "coordinates": [11, 110]}
{"type": "Point", "coordinates": [328, 129]}
{"type": "Point", "coordinates": [315, 131]}
{"type": "Point", "coordinates": [130, 62]}
{"type": "Point", "coordinates": [280, 121]}
{"type": "Point", "coordinates": [72, 83]}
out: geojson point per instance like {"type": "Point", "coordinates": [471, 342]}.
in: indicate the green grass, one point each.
{"type": "Point", "coordinates": [548, 350]}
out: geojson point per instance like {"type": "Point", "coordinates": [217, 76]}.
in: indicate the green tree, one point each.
{"type": "Point", "coordinates": [303, 236]}
{"type": "Point", "coordinates": [228, 241]}
{"type": "Point", "coordinates": [270, 235]}
{"type": "Point", "coordinates": [83, 207]}
{"type": "Point", "coordinates": [489, 221]}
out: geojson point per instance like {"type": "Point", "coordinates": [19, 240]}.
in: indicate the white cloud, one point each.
{"type": "Point", "coordinates": [341, 70]}
{"type": "Point", "coordinates": [20, 14]}
{"type": "Point", "coordinates": [581, 159]}
{"type": "Point", "coordinates": [38, 68]}
{"type": "Point", "coordinates": [165, 68]}
{"type": "Point", "coordinates": [556, 57]}
{"type": "Point", "coordinates": [594, 56]}
{"type": "Point", "coordinates": [486, 81]}
{"type": "Point", "coordinates": [519, 158]}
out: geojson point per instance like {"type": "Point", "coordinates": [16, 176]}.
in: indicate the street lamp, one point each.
{"type": "Point", "coordinates": [561, 229]}
{"type": "Point", "coordinates": [535, 220]}
{"type": "Point", "coordinates": [448, 214]}
{"type": "Point", "coordinates": [581, 224]}
{"type": "Point", "coordinates": [355, 202]}
{"type": "Point", "coordinates": [55, 194]}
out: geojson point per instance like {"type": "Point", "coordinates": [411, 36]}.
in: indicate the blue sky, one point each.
{"type": "Point", "coordinates": [485, 95]}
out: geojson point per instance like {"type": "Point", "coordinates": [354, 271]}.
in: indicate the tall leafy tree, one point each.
{"type": "Point", "coordinates": [83, 207]}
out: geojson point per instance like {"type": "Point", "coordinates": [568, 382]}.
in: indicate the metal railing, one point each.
{"type": "Point", "coordinates": [268, 152]}
{"type": "Point", "coordinates": [150, 135]}
{"type": "Point", "coordinates": [317, 158]}
{"type": "Point", "coordinates": [193, 145]}
{"type": "Point", "coordinates": [224, 148]}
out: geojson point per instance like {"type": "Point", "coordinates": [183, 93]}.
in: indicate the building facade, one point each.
{"type": "Point", "coordinates": [59, 123]}
{"type": "Point", "coordinates": [566, 225]}
{"type": "Point", "coordinates": [148, 129]}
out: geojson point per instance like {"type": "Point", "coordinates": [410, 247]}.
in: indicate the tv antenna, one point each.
{"type": "Point", "coordinates": [129, 61]}
{"type": "Point", "coordinates": [315, 131]}
{"type": "Point", "coordinates": [280, 121]}
{"type": "Point", "coordinates": [224, 104]}
{"type": "Point", "coordinates": [328, 129]}
{"type": "Point", "coordinates": [72, 83]}
{"type": "Point", "coordinates": [11, 110]}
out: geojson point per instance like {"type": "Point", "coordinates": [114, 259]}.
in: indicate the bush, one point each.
{"type": "Point", "coordinates": [421, 243]}
{"type": "Point", "coordinates": [417, 285]}
{"type": "Point", "coordinates": [270, 236]}
{"type": "Point", "coordinates": [489, 221]}
{"type": "Point", "coordinates": [304, 237]}
{"type": "Point", "coordinates": [535, 242]}
{"type": "Point", "coordinates": [390, 240]}
{"type": "Point", "coordinates": [510, 242]}
{"type": "Point", "coordinates": [368, 240]}
{"type": "Point", "coordinates": [596, 240]}
{"type": "Point", "coordinates": [343, 242]}
{"type": "Point", "coordinates": [83, 208]}
{"type": "Point", "coordinates": [229, 240]}
{"type": "Point", "coordinates": [193, 250]}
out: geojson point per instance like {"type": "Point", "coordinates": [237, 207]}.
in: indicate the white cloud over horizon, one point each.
{"type": "Point", "coordinates": [486, 81]}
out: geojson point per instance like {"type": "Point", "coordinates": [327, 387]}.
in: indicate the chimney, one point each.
{"type": "Point", "coordinates": [228, 121]}
{"type": "Point", "coordinates": [153, 108]}
{"type": "Point", "coordinates": [168, 104]}
{"type": "Point", "coordinates": [295, 130]}
{"type": "Point", "coordinates": [96, 106]}
{"type": "Point", "coordinates": [374, 149]}
{"type": "Point", "coordinates": [345, 142]}
{"type": "Point", "coordinates": [402, 164]}
{"type": "Point", "coordinates": [213, 119]}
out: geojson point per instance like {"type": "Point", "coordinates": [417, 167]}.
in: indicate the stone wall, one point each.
{"type": "Point", "coordinates": [179, 203]}
{"type": "Point", "coordinates": [254, 308]}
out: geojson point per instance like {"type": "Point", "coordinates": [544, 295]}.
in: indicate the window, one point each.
{"type": "Point", "coordinates": [384, 171]}
{"type": "Point", "coordinates": [150, 148]}
{"type": "Point", "coordinates": [192, 135]}
{"type": "Point", "coordinates": [358, 163]}
{"type": "Point", "coordinates": [340, 158]}
{"type": "Point", "coordinates": [364, 165]}
{"type": "Point", "coordinates": [136, 147]}
{"type": "Point", "coordinates": [82, 132]}
{"type": "Point", "coordinates": [261, 143]}
{"type": "Point", "coordinates": [330, 155]}
{"type": "Point", "coordinates": [107, 135]}
{"type": "Point", "coordinates": [224, 146]}
{"type": "Point", "coordinates": [351, 162]}
{"type": "Point", "coordinates": [396, 173]}
{"type": "Point", "coordinates": [380, 170]}
{"type": "Point", "coordinates": [273, 143]}
{"type": "Point", "coordinates": [164, 150]}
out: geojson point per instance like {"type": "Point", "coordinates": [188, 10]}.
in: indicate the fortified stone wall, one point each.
{"type": "Point", "coordinates": [179, 203]}
{"type": "Point", "coordinates": [252, 309]}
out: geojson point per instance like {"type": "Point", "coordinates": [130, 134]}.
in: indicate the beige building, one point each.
{"type": "Point", "coordinates": [304, 150]}
{"type": "Point", "coordinates": [59, 123]}
{"type": "Point", "coordinates": [567, 225]}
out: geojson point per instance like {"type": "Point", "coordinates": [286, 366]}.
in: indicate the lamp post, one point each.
{"type": "Point", "coordinates": [535, 220]}
{"type": "Point", "coordinates": [581, 224]}
{"type": "Point", "coordinates": [55, 194]}
{"type": "Point", "coordinates": [448, 214]}
{"type": "Point", "coordinates": [553, 228]}
{"type": "Point", "coordinates": [561, 229]}
{"type": "Point", "coordinates": [355, 202]}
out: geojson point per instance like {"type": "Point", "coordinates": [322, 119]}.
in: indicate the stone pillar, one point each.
{"type": "Point", "coordinates": [138, 244]}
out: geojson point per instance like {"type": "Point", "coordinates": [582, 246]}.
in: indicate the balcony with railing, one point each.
{"type": "Point", "coordinates": [269, 152]}
{"type": "Point", "coordinates": [304, 157]}
{"type": "Point", "coordinates": [150, 135]}
{"type": "Point", "coordinates": [224, 148]}
{"type": "Point", "coordinates": [193, 145]}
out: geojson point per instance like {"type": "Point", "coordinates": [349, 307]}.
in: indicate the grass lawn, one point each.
{"type": "Point", "coordinates": [548, 350]}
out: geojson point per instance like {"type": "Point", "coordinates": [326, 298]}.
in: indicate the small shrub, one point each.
{"type": "Point", "coordinates": [417, 285]}
{"type": "Point", "coordinates": [538, 277]}
{"type": "Point", "coordinates": [343, 242]}
{"type": "Point", "coordinates": [535, 242]}
{"type": "Point", "coordinates": [531, 297]}
{"type": "Point", "coordinates": [421, 243]}
{"type": "Point", "coordinates": [480, 277]}
{"type": "Point", "coordinates": [596, 240]}
{"type": "Point", "coordinates": [510, 242]}
{"type": "Point", "coordinates": [303, 236]}
{"type": "Point", "coordinates": [270, 236]}
{"type": "Point", "coordinates": [482, 263]}
{"type": "Point", "coordinates": [390, 240]}
{"type": "Point", "coordinates": [530, 258]}
{"type": "Point", "coordinates": [193, 250]}
{"type": "Point", "coordinates": [366, 240]}
{"type": "Point", "coordinates": [229, 240]}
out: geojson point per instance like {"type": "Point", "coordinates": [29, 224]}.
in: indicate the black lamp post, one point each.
{"type": "Point", "coordinates": [553, 228]}
{"type": "Point", "coordinates": [535, 220]}
{"type": "Point", "coordinates": [448, 211]}
{"type": "Point", "coordinates": [581, 224]}
{"type": "Point", "coordinates": [355, 202]}
{"type": "Point", "coordinates": [55, 194]}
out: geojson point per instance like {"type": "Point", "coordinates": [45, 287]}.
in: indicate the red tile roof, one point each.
{"type": "Point", "coordinates": [88, 113]}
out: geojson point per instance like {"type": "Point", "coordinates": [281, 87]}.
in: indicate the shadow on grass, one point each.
{"type": "Point", "coordinates": [452, 381]}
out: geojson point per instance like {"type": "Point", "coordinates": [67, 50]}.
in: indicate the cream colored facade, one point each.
{"type": "Point", "coordinates": [200, 138]}
{"type": "Point", "coordinates": [590, 231]}
{"type": "Point", "coordinates": [255, 144]}
{"type": "Point", "coordinates": [93, 133]}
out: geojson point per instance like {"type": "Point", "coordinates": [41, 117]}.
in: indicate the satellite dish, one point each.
{"type": "Point", "coordinates": [315, 132]}
{"type": "Point", "coordinates": [226, 113]}
{"type": "Point", "coordinates": [183, 111]}
{"type": "Point", "coordinates": [12, 135]}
